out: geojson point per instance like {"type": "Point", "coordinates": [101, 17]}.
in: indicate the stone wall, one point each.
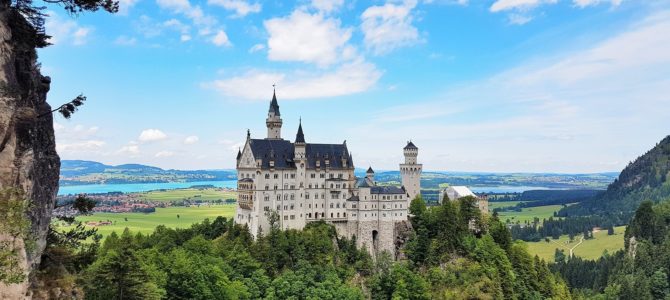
{"type": "Point", "coordinates": [28, 158]}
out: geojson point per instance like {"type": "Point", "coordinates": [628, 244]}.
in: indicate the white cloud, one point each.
{"type": "Point", "coordinates": [241, 8]}
{"type": "Point", "coordinates": [185, 38]}
{"type": "Point", "coordinates": [256, 48]}
{"type": "Point", "coordinates": [83, 146]}
{"type": "Point", "coordinates": [305, 37]}
{"type": "Point", "coordinates": [585, 3]}
{"type": "Point", "coordinates": [389, 26]}
{"type": "Point", "coordinates": [125, 41]}
{"type": "Point", "coordinates": [204, 22]}
{"type": "Point", "coordinates": [350, 78]}
{"type": "Point", "coordinates": [221, 39]}
{"type": "Point", "coordinates": [125, 5]}
{"type": "Point", "coordinates": [190, 140]}
{"type": "Point", "coordinates": [602, 97]}
{"type": "Point", "coordinates": [503, 5]}
{"type": "Point", "coordinates": [164, 153]}
{"type": "Point", "coordinates": [130, 150]}
{"type": "Point", "coordinates": [519, 19]}
{"type": "Point", "coordinates": [151, 135]}
{"type": "Point", "coordinates": [327, 5]}
{"type": "Point", "coordinates": [65, 31]}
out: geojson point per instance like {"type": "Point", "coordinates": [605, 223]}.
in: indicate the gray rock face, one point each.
{"type": "Point", "coordinates": [28, 158]}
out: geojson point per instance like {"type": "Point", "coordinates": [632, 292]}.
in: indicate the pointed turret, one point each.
{"type": "Point", "coordinates": [274, 122]}
{"type": "Point", "coordinates": [239, 153]}
{"type": "Point", "coordinates": [300, 137]}
{"type": "Point", "coordinates": [274, 106]}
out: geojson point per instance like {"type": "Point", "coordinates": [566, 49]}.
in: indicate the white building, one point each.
{"type": "Point", "coordinates": [305, 182]}
{"type": "Point", "coordinates": [456, 192]}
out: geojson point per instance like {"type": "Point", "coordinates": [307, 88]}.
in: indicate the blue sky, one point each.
{"type": "Point", "coordinates": [505, 86]}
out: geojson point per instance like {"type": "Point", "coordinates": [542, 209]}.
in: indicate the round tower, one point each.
{"type": "Point", "coordinates": [410, 171]}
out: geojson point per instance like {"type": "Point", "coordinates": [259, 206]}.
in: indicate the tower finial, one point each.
{"type": "Point", "coordinates": [248, 134]}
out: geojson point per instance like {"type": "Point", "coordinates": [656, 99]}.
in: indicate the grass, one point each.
{"type": "Point", "coordinates": [589, 249]}
{"type": "Point", "coordinates": [208, 194]}
{"type": "Point", "coordinates": [498, 204]}
{"type": "Point", "coordinates": [145, 223]}
{"type": "Point", "coordinates": [527, 214]}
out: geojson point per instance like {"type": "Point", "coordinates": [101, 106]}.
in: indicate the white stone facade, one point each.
{"type": "Point", "coordinates": [306, 182]}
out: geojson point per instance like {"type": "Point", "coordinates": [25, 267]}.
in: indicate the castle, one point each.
{"type": "Point", "coordinates": [306, 182]}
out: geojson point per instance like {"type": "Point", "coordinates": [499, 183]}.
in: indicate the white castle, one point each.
{"type": "Point", "coordinates": [306, 182]}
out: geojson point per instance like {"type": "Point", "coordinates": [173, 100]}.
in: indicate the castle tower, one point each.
{"type": "Point", "coordinates": [410, 171]}
{"type": "Point", "coordinates": [273, 122]}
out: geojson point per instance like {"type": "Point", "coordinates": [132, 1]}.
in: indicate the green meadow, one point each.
{"type": "Point", "coordinates": [145, 223]}
{"type": "Point", "coordinates": [589, 248]}
{"type": "Point", "coordinates": [208, 194]}
{"type": "Point", "coordinates": [499, 204]}
{"type": "Point", "coordinates": [528, 214]}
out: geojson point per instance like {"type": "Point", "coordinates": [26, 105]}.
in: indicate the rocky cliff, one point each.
{"type": "Point", "coordinates": [28, 159]}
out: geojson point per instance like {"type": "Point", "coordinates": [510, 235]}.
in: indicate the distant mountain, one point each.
{"type": "Point", "coordinates": [647, 178]}
{"type": "Point", "coordinates": [77, 172]}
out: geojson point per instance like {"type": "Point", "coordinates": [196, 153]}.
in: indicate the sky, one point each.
{"type": "Point", "coordinates": [566, 86]}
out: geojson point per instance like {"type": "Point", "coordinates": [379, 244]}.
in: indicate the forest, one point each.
{"type": "Point", "coordinates": [456, 253]}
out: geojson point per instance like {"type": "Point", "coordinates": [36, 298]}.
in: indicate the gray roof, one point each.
{"type": "Point", "coordinates": [369, 170]}
{"type": "Point", "coordinates": [389, 189]}
{"type": "Point", "coordinates": [283, 153]}
{"type": "Point", "coordinates": [353, 198]}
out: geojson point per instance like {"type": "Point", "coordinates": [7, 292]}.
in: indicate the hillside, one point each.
{"type": "Point", "coordinates": [77, 172]}
{"type": "Point", "coordinates": [646, 178]}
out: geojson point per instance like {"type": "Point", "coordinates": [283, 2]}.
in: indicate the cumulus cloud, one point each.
{"type": "Point", "coordinates": [221, 39]}
{"type": "Point", "coordinates": [152, 135]}
{"type": "Point", "coordinates": [305, 37]}
{"type": "Point", "coordinates": [350, 78]}
{"type": "Point", "coordinates": [389, 26]}
{"type": "Point", "coordinates": [66, 31]}
{"type": "Point", "coordinates": [503, 5]}
{"type": "Point", "coordinates": [240, 7]}
{"type": "Point", "coordinates": [190, 140]}
{"type": "Point", "coordinates": [125, 5]}
{"type": "Point", "coordinates": [327, 5]}
{"type": "Point", "coordinates": [205, 23]}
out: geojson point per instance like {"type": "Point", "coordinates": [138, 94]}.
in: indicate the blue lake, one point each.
{"type": "Point", "coordinates": [507, 189]}
{"type": "Point", "coordinates": [139, 187]}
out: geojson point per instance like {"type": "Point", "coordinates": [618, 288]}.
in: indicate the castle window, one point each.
{"type": "Point", "coordinates": [338, 215]}
{"type": "Point", "coordinates": [344, 185]}
{"type": "Point", "coordinates": [312, 175]}
{"type": "Point", "coordinates": [285, 218]}
{"type": "Point", "coordinates": [285, 176]}
{"type": "Point", "coordinates": [307, 196]}
{"type": "Point", "coordinates": [310, 185]}
{"type": "Point", "coordinates": [286, 186]}
{"type": "Point", "coordinates": [323, 196]}
{"type": "Point", "coordinates": [292, 217]}
{"type": "Point", "coordinates": [338, 205]}
{"type": "Point", "coordinates": [322, 175]}
{"type": "Point", "coordinates": [267, 187]}
{"type": "Point", "coordinates": [339, 175]}
{"type": "Point", "coordinates": [345, 215]}
{"type": "Point", "coordinates": [309, 206]}
{"type": "Point", "coordinates": [276, 176]}
{"type": "Point", "coordinates": [267, 176]}
{"type": "Point", "coordinates": [267, 208]}
{"type": "Point", "coordinates": [278, 197]}
{"type": "Point", "coordinates": [384, 215]}
{"type": "Point", "coordinates": [285, 207]}
{"type": "Point", "coordinates": [292, 176]}
{"type": "Point", "coordinates": [285, 196]}
{"type": "Point", "coordinates": [293, 187]}
{"type": "Point", "coordinates": [331, 205]}
{"type": "Point", "coordinates": [275, 187]}
{"type": "Point", "coordinates": [292, 197]}
{"type": "Point", "coordinates": [331, 215]}
{"type": "Point", "coordinates": [291, 206]}
{"type": "Point", "coordinates": [331, 175]}
{"type": "Point", "coordinates": [267, 198]}
{"type": "Point", "coordinates": [278, 207]}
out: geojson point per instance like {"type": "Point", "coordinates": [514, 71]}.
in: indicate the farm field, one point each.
{"type": "Point", "coordinates": [498, 204]}
{"type": "Point", "coordinates": [527, 214]}
{"type": "Point", "coordinates": [145, 223]}
{"type": "Point", "coordinates": [208, 194]}
{"type": "Point", "coordinates": [589, 249]}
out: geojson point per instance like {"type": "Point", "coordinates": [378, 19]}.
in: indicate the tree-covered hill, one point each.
{"type": "Point", "coordinates": [646, 178]}
{"type": "Point", "coordinates": [76, 172]}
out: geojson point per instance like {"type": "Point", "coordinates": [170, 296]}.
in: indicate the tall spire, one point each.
{"type": "Point", "coordinates": [300, 137]}
{"type": "Point", "coordinates": [274, 106]}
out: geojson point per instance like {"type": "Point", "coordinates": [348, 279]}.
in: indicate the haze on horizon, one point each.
{"type": "Point", "coordinates": [566, 86]}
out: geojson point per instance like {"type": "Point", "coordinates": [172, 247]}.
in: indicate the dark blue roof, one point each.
{"type": "Point", "coordinates": [300, 137]}
{"type": "Point", "coordinates": [283, 153]}
{"type": "Point", "coordinates": [410, 145]}
{"type": "Point", "coordinates": [389, 189]}
{"type": "Point", "coordinates": [274, 106]}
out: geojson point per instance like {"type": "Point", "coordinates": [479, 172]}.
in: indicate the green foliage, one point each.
{"type": "Point", "coordinates": [14, 228]}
